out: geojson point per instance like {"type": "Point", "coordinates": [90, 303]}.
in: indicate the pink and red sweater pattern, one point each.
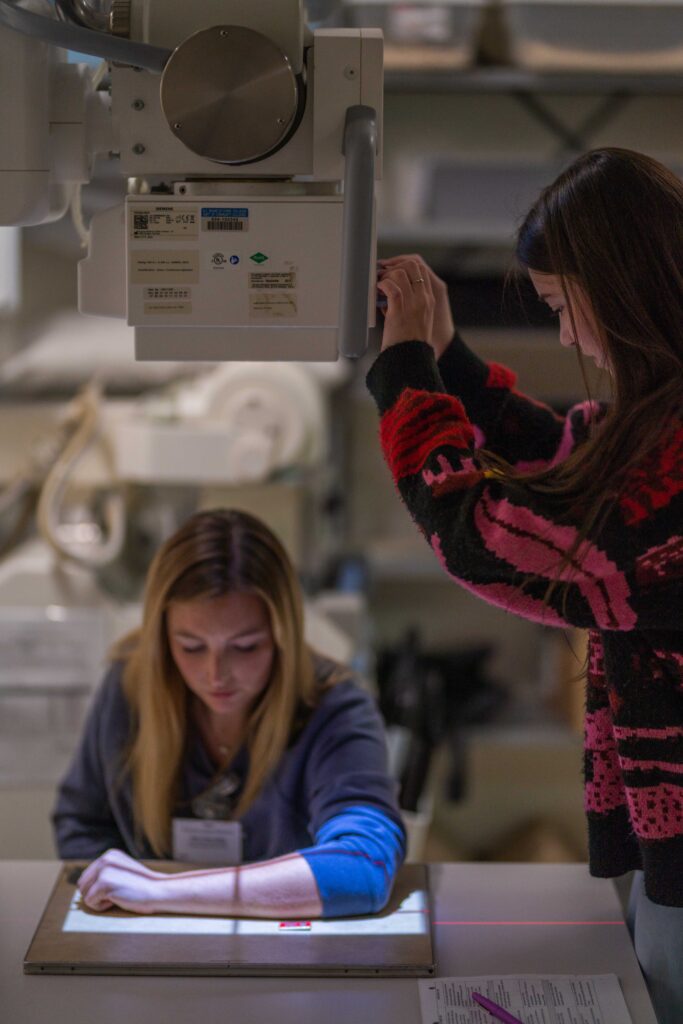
{"type": "Point", "coordinates": [504, 544]}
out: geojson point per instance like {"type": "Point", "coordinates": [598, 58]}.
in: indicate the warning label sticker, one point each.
{"type": "Point", "coordinates": [272, 305]}
{"type": "Point", "coordinates": [270, 279]}
{"type": "Point", "coordinates": [167, 293]}
{"type": "Point", "coordinates": [172, 266]}
{"type": "Point", "coordinates": [163, 222]}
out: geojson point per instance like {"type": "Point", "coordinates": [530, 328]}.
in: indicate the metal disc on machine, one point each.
{"type": "Point", "coordinates": [229, 94]}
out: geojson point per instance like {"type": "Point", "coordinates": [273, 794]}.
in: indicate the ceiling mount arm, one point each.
{"type": "Point", "coordinates": [83, 40]}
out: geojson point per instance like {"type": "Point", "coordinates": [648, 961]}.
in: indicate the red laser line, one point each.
{"type": "Point", "coordinates": [545, 924]}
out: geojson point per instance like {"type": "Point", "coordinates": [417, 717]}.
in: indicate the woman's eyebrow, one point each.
{"type": "Point", "coordinates": [255, 631]}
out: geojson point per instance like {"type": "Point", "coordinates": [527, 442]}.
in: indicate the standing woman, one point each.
{"type": "Point", "coordinates": [574, 520]}
{"type": "Point", "coordinates": [217, 709]}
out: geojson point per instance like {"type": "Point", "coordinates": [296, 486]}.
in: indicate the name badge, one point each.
{"type": "Point", "coordinates": [202, 841]}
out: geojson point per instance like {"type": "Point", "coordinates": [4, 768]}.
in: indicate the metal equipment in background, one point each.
{"type": "Point", "coordinates": [426, 698]}
{"type": "Point", "coordinates": [236, 426]}
{"type": "Point", "coordinates": [251, 144]}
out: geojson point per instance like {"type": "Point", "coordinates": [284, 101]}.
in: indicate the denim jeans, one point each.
{"type": "Point", "coordinates": [657, 934]}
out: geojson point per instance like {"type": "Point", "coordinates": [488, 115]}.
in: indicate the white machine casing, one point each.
{"type": "Point", "coordinates": [346, 69]}
{"type": "Point", "coordinates": [223, 267]}
{"type": "Point", "coordinates": [53, 125]}
{"type": "Point", "coordinates": [195, 262]}
{"type": "Point", "coordinates": [276, 296]}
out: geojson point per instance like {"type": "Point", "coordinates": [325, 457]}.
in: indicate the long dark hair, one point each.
{"type": "Point", "coordinates": [612, 224]}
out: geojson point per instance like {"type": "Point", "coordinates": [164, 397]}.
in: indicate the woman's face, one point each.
{"type": "Point", "coordinates": [224, 649]}
{"type": "Point", "coordinates": [549, 289]}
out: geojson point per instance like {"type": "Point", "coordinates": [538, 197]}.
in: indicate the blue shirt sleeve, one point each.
{"type": "Point", "coordinates": [355, 859]}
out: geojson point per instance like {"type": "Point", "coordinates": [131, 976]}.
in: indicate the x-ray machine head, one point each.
{"type": "Point", "coordinates": [251, 145]}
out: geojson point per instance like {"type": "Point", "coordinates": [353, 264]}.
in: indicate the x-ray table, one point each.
{"type": "Point", "coordinates": [489, 919]}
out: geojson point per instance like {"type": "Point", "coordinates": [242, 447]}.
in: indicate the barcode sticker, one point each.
{"type": "Point", "coordinates": [225, 224]}
{"type": "Point", "coordinates": [225, 218]}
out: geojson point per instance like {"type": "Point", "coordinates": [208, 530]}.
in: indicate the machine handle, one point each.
{"type": "Point", "coordinates": [359, 148]}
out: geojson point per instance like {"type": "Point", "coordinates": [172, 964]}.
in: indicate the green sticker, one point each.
{"type": "Point", "coordinates": [258, 257]}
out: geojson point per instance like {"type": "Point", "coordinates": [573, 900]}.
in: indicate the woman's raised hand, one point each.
{"type": "Point", "coordinates": [417, 304]}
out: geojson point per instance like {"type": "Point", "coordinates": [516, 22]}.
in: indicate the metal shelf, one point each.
{"type": "Point", "coordinates": [450, 234]}
{"type": "Point", "coordinates": [531, 89]}
{"type": "Point", "coordinates": [500, 79]}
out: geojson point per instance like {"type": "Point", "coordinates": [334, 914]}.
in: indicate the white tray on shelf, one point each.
{"type": "Point", "coordinates": [596, 35]}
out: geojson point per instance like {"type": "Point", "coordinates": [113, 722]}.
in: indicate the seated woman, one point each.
{"type": "Point", "coordinates": [216, 708]}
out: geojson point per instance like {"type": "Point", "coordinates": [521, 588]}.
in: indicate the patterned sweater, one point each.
{"type": "Point", "coordinates": [502, 543]}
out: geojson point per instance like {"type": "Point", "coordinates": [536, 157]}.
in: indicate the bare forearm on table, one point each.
{"type": "Point", "coordinates": [284, 887]}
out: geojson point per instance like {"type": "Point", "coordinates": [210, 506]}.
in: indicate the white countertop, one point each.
{"type": "Point", "coordinates": [489, 919]}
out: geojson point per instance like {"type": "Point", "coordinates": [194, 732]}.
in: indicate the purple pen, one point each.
{"type": "Point", "coordinates": [495, 1010]}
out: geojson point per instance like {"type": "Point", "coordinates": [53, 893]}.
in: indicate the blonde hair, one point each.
{"type": "Point", "coordinates": [214, 553]}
